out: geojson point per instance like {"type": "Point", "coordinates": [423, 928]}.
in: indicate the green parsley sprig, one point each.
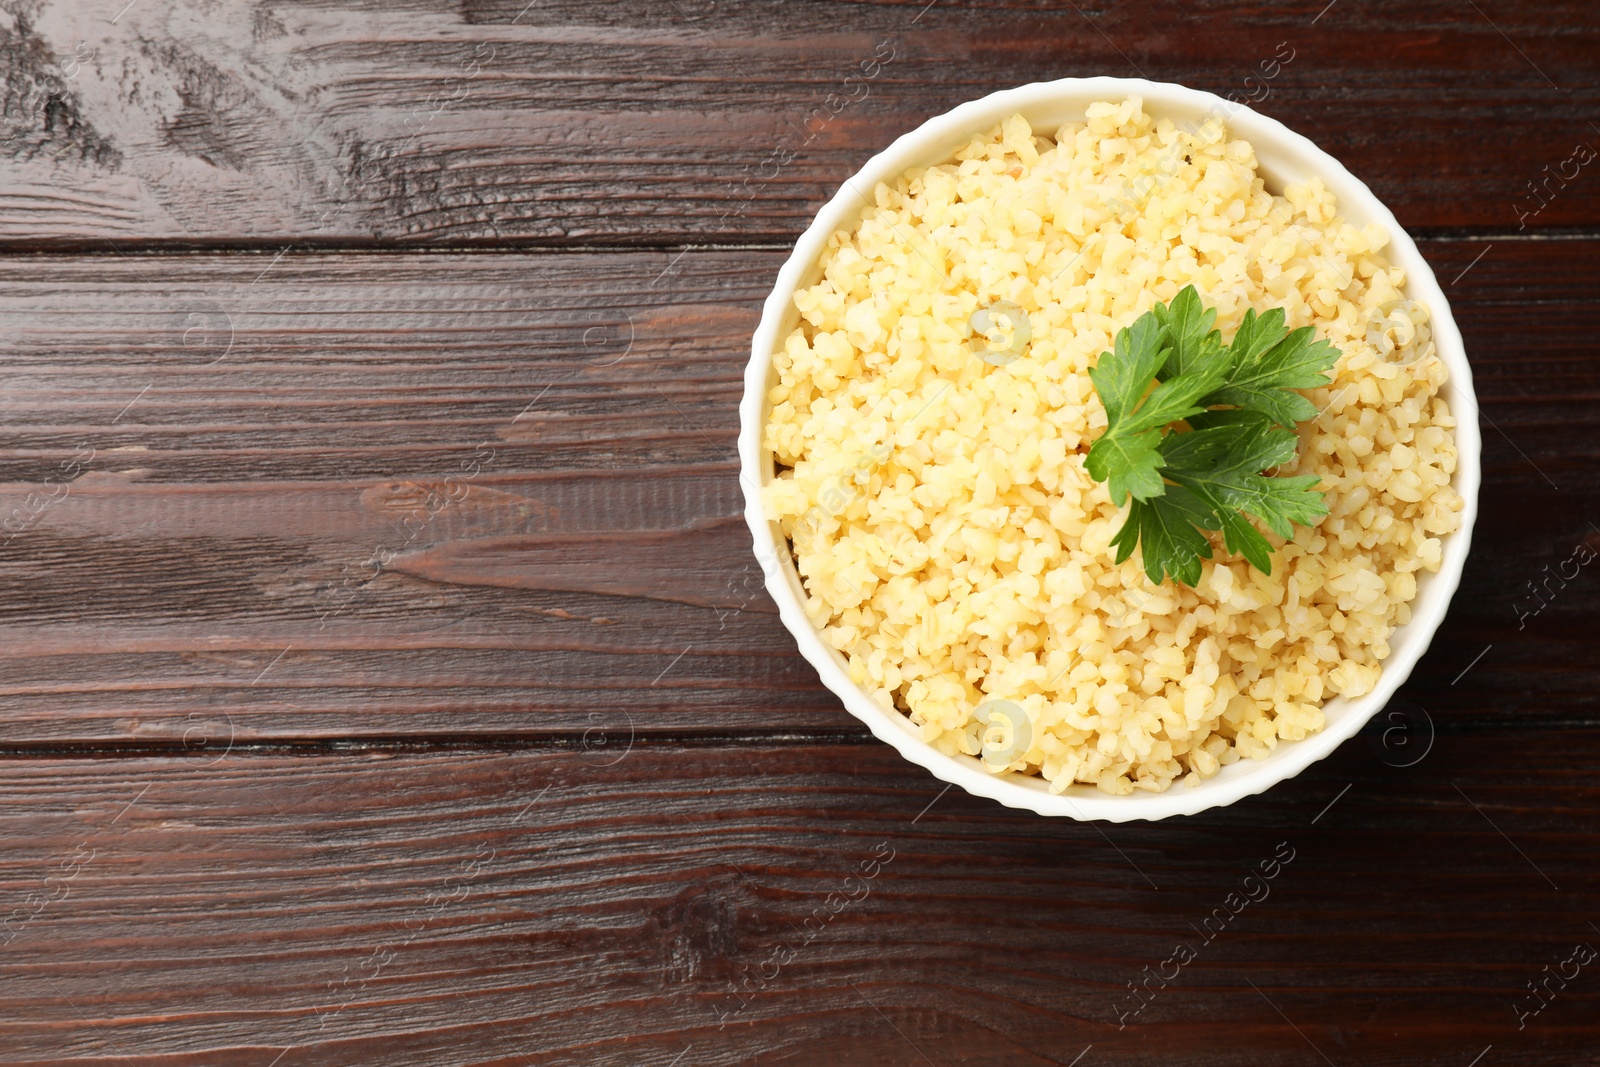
{"type": "Point", "coordinates": [1192, 449]}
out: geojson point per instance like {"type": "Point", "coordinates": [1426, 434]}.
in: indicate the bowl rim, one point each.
{"type": "Point", "coordinates": [933, 141]}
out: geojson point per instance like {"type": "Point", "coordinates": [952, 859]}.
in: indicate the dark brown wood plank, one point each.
{"type": "Point", "coordinates": [252, 549]}
{"type": "Point", "coordinates": [1533, 628]}
{"type": "Point", "coordinates": [263, 542]}
{"type": "Point", "coordinates": [546, 907]}
{"type": "Point", "coordinates": [645, 122]}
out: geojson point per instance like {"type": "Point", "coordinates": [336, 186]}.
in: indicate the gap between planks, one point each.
{"type": "Point", "coordinates": [552, 741]}
{"type": "Point", "coordinates": [105, 248]}
{"type": "Point", "coordinates": [559, 740]}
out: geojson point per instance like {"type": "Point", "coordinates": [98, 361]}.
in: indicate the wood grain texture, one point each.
{"type": "Point", "coordinates": [441, 496]}
{"type": "Point", "coordinates": [279, 462]}
{"type": "Point", "coordinates": [274, 121]}
{"type": "Point", "coordinates": [384, 675]}
{"type": "Point", "coordinates": [550, 907]}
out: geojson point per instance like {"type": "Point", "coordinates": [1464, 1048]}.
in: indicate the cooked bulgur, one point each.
{"type": "Point", "coordinates": [951, 544]}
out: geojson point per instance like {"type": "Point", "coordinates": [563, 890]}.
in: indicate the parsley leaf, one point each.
{"type": "Point", "coordinates": [1194, 342]}
{"type": "Point", "coordinates": [1266, 365]}
{"type": "Point", "coordinates": [1129, 464]}
{"type": "Point", "coordinates": [1164, 528]}
{"type": "Point", "coordinates": [1122, 376]}
{"type": "Point", "coordinates": [1192, 424]}
{"type": "Point", "coordinates": [1126, 455]}
{"type": "Point", "coordinates": [1221, 465]}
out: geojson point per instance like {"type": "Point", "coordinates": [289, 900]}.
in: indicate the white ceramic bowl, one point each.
{"type": "Point", "coordinates": [1284, 156]}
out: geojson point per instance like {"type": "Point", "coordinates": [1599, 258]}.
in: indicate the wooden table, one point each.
{"type": "Point", "coordinates": [385, 677]}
